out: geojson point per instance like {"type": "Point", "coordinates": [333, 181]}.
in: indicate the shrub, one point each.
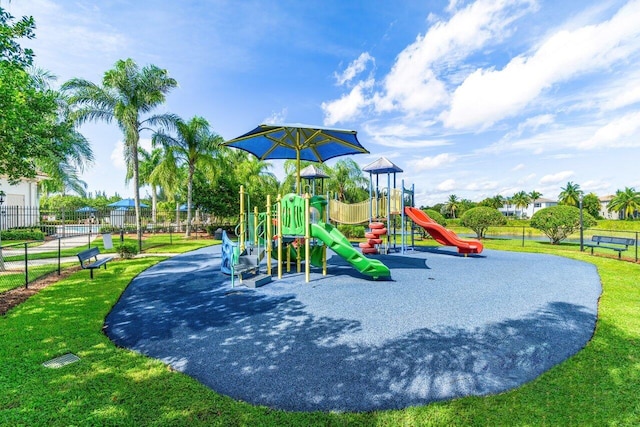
{"type": "Point", "coordinates": [436, 216]}
{"type": "Point", "coordinates": [127, 249]}
{"type": "Point", "coordinates": [22, 234]}
{"type": "Point", "coordinates": [351, 231]}
{"type": "Point", "coordinates": [481, 218]}
{"type": "Point", "coordinates": [558, 222]}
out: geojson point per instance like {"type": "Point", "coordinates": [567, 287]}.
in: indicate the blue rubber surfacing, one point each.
{"type": "Point", "coordinates": [444, 326]}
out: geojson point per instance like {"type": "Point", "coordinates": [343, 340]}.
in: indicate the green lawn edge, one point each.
{"type": "Point", "coordinates": [115, 386]}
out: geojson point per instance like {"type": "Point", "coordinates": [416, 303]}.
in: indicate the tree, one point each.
{"type": "Point", "coordinates": [534, 195]}
{"type": "Point", "coordinates": [10, 50]}
{"type": "Point", "coordinates": [521, 201]}
{"type": "Point", "coordinates": [481, 218]}
{"type": "Point", "coordinates": [35, 131]}
{"type": "Point", "coordinates": [495, 202]}
{"type": "Point", "coordinates": [347, 181]}
{"type": "Point", "coordinates": [127, 92]}
{"type": "Point", "coordinates": [558, 222]}
{"type": "Point", "coordinates": [193, 144]}
{"type": "Point", "coordinates": [591, 204]}
{"type": "Point", "coordinates": [570, 195]}
{"type": "Point", "coordinates": [436, 216]}
{"type": "Point", "coordinates": [62, 173]}
{"type": "Point", "coordinates": [627, 202]}
{"type": "Point", "coordinates": [452, 205]}
{"type": "Point", "coordinates": [150, 174]}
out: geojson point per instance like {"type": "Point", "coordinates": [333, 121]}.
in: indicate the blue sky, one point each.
{"type": "Point", "coordinates": [473, 98]}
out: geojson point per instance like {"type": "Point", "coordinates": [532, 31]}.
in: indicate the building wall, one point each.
{"type": "Point", "coordinates": [21, 205]}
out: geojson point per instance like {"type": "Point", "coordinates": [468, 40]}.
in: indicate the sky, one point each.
{"type": "Point", "coordinates": [472, 98]}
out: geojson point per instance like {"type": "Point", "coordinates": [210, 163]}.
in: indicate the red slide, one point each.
{"type": "Point", "coordinates": [442, 235]}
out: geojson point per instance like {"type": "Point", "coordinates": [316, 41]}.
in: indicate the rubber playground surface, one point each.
{"type": "Point", "coordinates": [443, 326]}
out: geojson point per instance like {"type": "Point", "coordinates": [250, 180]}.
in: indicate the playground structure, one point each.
{"type": "Point", "coordinates": [297, 231]}
{"type": "Point", "coordinates": [298, 228]}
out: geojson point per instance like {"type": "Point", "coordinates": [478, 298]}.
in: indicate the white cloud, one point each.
{"type": "Point", "coordinates": [412, 85]}
{"type": "Point", "coordinates": [434, 162]}
{"type": "Point", "coordinates": [117, 154]}
{"type": "Point", "coordinates": [446, 185]}
{"type": "Point", "coordinates": [349, 106]}
{"type": "Point", "coordinates": [277, 117]}
{"type": "Point", "coordinates": [487, 96]}
{"type": "Point", "coordinates": [518, 167]}
{"type": "Point", "coordinates": [556, 178]}
{"type": "Point", "coordinates": [354, 68]}
{"type": "Point", "coordinates": [622, 131]}
{"type": "Point", "coordinates": [482, 186]}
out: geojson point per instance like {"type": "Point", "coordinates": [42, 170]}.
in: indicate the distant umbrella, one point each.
{"type": "Point", "coordinates": [86, 209]}
{"type": "Point", "coordinates": [126, 203]}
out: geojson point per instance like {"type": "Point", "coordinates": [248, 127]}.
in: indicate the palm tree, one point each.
{"type": "Point", "coordinates": [193, 144]}
{"type": "Point", "coordinates": [127, 92]}
{"type": "Point", "coordinates": [627, 202]}
{"type": "Point", "coordinates": [496, 201]}
{"type": "Point", "coordinates": [570, 195]}
{"type": "Point", "coordinates": [521, 201]}
{"type": "Point", "coordinates": [150, 167]}
{"type": "Point", "coordinates": [534, 195]}
{"type": "Point", "coordinates": [62, 169]}
{"type": "Point", "coordinates": [345, 180]}
{"type": "Point", "coordinates": [452, 205]}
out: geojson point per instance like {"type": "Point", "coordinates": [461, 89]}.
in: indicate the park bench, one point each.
{"type": "Point", "coordinates": [619, 244]}
{"type": "Point", "coordinates": [89, 259]}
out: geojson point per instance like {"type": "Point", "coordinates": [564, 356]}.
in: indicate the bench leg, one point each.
{"type": "Point", "coordinates": [91, 271]}
{"type": "Point", "coordinates": [619, 254]}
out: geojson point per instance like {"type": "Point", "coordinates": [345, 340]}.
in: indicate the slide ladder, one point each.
{"type": "Point", "coordinates": [374, 238]}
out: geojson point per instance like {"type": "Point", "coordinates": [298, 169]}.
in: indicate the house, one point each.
{"type": "Point", "coordinates": [21, 205]}
{"type": "Point", "coordinates": [510, 210]}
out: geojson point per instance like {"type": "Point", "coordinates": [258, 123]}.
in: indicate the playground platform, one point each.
{"type": "Point", "coordinates": [443, 326]}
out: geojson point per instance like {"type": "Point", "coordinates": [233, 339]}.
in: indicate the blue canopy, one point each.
{"type": "Point", "coordinates": [126, 203]}
{"type": "Point", "coordinates": [298, 141]}
{"type": "Point", "coordinates": [86, 209]}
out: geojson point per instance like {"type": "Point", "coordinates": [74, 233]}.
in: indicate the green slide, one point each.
{"type": "Point", "coordinates": [335, 240]}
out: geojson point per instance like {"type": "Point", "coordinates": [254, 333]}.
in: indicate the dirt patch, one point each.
{"type": "Point", "coordinates": [17, 296]}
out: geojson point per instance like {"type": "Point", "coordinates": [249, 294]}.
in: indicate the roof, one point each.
{"type": "Point", "coordinates": [382, 165]}
{"type": "Point", "coordinates": [312, 172]}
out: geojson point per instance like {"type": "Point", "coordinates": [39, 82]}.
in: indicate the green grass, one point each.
{"type": "Point", "coordinates": [113, 386]}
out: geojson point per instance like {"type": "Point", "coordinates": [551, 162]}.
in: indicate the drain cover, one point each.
{"type": "Point", "coordinates": [61, 361]}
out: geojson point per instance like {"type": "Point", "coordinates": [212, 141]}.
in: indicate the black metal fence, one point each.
{"type": "Point", "coordinates": [63, 223]}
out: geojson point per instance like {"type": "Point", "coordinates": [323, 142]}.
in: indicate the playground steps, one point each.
{"type": "Point", "coordinates": [374, 238]}
{"type": "Point", "coordinates": [256, 281]}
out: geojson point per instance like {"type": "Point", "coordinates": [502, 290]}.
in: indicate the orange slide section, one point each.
{"type": "Point", "coordinates": [442, 235]}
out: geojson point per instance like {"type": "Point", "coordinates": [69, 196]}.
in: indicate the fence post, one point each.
{"type": "Point", "coordinates": [636, 246]}
{"type": "Point", "coordinates": [26, 267]}
{"type": "Point", "coordinates": [59, 255]}
{"type": "Point", "coordinates": [523, 236]}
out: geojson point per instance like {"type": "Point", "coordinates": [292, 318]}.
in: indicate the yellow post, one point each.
{"type": "Point", "coordinates": [255, 226]}
{"type": "Point", "coordinates": [324, 260]}
{"type": "Point", "coordinates": [307, 239]}
{"type": "Point", "coordinates": [279, 219]}
{"type": "Point", "coordinates": [241, 237]}
{"type": "Point", "coordinates": [268, 234]}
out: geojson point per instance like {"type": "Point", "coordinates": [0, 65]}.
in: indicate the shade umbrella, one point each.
{"type": "Point", "coordinates": [299, 142]}
{"type": "Point", "coordinates": [86, 209]}
{"type": "Point", "coordinates": [126, 203]}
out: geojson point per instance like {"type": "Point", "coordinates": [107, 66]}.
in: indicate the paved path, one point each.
{"type": "Point", "coordinates": [444, 326]}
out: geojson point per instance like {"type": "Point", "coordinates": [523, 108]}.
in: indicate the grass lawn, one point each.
{"type": "Point", "coordinates": [112, 386]}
